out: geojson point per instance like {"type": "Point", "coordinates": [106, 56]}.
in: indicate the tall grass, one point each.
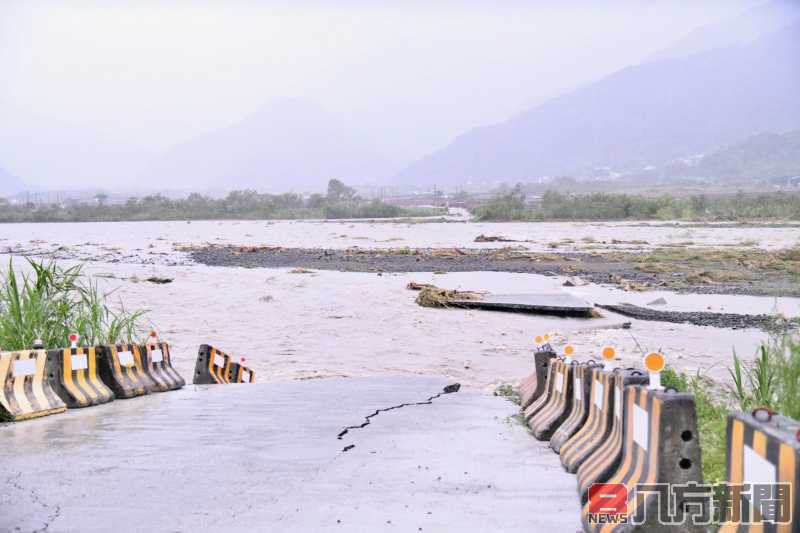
{"type": "Point", "coordinates": [49, 302]}
{"type": "Point", "coordinates": [772, 379]}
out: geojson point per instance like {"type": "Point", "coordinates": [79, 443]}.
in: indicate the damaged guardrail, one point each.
{"type": "Point", "coordinates": [214, 366]}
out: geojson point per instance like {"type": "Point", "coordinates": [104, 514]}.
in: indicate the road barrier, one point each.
{"type": "Point", "coordinates": [542, 400]}
{"type": "Point", "coordinates": [581, 392]}
{"type": "Point", "coordinates": [238, 373]}
{"type": "Point", "coordinates": [122, 369]}
{"type": "Point", "coordinates": [556, 410]}
{"type": "Point", "coordinates": [603, 460]}
{"type": "Point", "coordinates": [533, 386]}
{"type": "Point", "coordinates": [763, 458]}
{"type": "Point", "coordinates": [597, 426]}
{"type": "Point", "coordinates": [660, 450]}
{"type": "Point", "coordinates": [26, 392]}
{"type": "Point", "coordinates": [158, 366]}
{"type": "Point", "coordinates": [73, 375]}
{"type": "Point", "coordinates": [212, 367]}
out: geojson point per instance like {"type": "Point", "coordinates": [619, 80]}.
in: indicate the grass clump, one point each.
{"type": "Point", "coordinates": [509, 392]}
{"type": "Point", "coordinates": [773, 378]}
{"type": "Point", "coordinates": [50, 302]}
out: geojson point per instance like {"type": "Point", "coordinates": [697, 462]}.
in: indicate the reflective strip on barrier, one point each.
{"type": "Point", "coordinates": [239, 373]}
{"type": "Point", "coordinates": [533, 386]}
{"type": "Point", "coordinates": [158, 366]}
{"type": "Point", "coordinates": [660, 446]}
{"type": "Point", "coordinates": [581, 387]}
{"type": "Point", "coordinates": [212, 366]}
{"type": "Point", "coordinates": [556, 410]}
{"type": "Point", "coordinates": [605, 453]}
{"type": "Point", "coordinates": [25, 391]}
{"type": "Point", "coordinates": [122, 369]}
{"type": "Point", "coordinates": [73, 374]}
{"type": "Point", "coordinates": [596, 428]}
{"type": "Point", "coordinates": [762, 453]}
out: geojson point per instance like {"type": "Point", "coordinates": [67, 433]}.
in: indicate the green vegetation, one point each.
{"type": "Point", "coordinates": [771, 380]}
{"type": "Point", "coordinates": [340, 201]}
{"type": "Point", "coordinates": [509, 392]}
{"type": "Point", "coordinates": [711, 422]}
{"type": "Point", "coordinates": [50, 302]}
{"type": "Point", "coordinates": [511, 205]}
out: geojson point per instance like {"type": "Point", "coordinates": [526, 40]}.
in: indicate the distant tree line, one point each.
{"type": "Point", "coordinates": [511, 205]}
{"type": "Point", "coordinates": [340, 201]}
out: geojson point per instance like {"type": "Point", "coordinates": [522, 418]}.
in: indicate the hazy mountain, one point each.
{"type": "Point", "coordinates": [761, 157]}
{"type": "Point", "coordinates": [287, 144]}
{"type": "Point", "coordinates": [10, 184]}
{"type": "Point", "coordinates": [640, 115]}
{"type": "Point", "coordinates": [54, 154]}
{"type": "Point", "coordinates": [765, 18]}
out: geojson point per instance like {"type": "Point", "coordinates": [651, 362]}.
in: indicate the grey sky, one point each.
{"type": "Point", "coordinates": [410, 74]}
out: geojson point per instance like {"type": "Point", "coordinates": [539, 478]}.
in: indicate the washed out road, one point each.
{"type": "Point", "coordinates": [266, 457]}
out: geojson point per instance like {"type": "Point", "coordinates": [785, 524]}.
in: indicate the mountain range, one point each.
{"type": "Point", "coordinates": [716, 87]}
{"type": "Point", "coordinates": [641, 115]}
{"type": "Point", "coordinates": [291, 141]}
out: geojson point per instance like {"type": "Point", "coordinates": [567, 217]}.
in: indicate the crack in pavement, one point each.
{"type": "Point", "coordinates": [368, 419]}
{"type": "Point", "coordinates": [35, 499]}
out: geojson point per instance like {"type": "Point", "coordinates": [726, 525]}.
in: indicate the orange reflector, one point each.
{"type": "Point", "coordinates": [568, 349]}
{"type": "Point", "coordinates": [608, 352]}
{"type": "Point", "coordinates": [546, 337]}
{"type": "Point", "coordinates": [654, 361]}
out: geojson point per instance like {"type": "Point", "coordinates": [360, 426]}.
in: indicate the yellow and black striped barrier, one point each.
{"type": "Point", "coordinates": [602, 461]}
{"type": "Point", "coordinates": [597, 427]}
{"type": "Point", "coordinates": [533, 386]}
{"type": "Point", "coordinates": [581, 392]}
{"type": "Point", "coordinates": [122, 369]}
{"type": "Point", "coordinates": [537, 405]}
{"type": "Point", "coordinates": [73, 375]}
{"type": "Point", "coordinates": [239, 373]}
{"type": "Point", "coordinates": [158, 366]}
{"type": "Point", "coordinates": [26, 392]}
{"type": "Point", "coordinates": [660, 449]}
{"type": "Point", "coordinates": [763, 464]}
{"type": "Point", "coordinates": [555, 411]}
{"type": "Point", "coordinates": [212, 366]}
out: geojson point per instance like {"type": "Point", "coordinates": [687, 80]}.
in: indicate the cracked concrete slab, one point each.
{"type": "Point", "coordinates": [267, 457]}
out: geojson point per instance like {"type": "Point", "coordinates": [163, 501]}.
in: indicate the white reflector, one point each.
{"type": "Point", "coordinates": [641, 421]}
{"type": "Point", "coordinates": [24, 367]}
{"type": "Point", "coordinates": [125, 358]}
{"type": "Point", "coordinates": [79, 361]}
{"type": "Point", "coordinates": [598, 394]}
{"type": "Point", "coordinates": [156, 355]}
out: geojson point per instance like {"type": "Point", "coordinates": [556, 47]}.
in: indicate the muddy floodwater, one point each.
{"type": "Point", "coordinates": [329, 323]}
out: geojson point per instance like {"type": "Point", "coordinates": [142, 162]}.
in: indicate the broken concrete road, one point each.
{"type": "Point", "coordinates": [267, 457]}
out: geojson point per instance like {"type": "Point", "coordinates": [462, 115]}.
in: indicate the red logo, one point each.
{"type": "Point", "coordinates": [608, 499]}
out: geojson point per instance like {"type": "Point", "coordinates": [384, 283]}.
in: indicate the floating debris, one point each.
{"type": "Point", "coordinates": [159, 280]}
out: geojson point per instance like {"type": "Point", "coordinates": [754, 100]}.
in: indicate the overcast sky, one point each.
{"type": "Point", "coordinates": [410, 74]}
